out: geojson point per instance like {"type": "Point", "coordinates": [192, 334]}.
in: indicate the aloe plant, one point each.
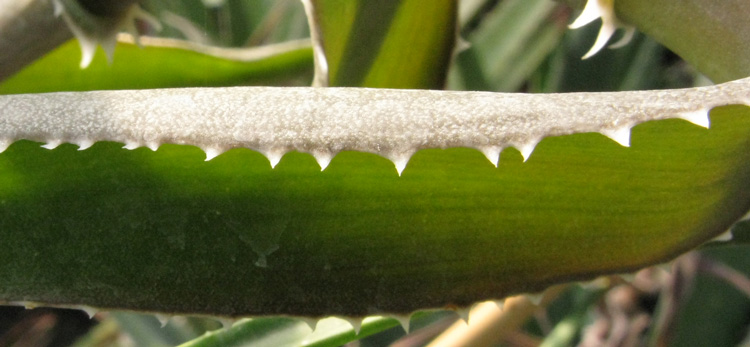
{"type": "Point", "coordinates": [164, 231]}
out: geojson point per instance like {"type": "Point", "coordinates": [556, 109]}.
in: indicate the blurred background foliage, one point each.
{"type": "Point", "coordinates": [506, 45]}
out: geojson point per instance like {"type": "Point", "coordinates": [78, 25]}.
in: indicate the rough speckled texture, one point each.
{"type": "Point", "coordinates": [323, 122]}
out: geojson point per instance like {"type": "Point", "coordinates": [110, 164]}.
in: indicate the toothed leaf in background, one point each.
{"type": "Point", "coordinates": [713, 36]}
{"type": "Point", "coordinates": [165, 63]}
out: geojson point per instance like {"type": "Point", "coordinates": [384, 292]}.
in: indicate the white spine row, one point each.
{"type": "Point", "coordinates": [325, 121]}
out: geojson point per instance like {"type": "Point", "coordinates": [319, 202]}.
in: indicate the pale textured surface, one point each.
{"type": "Point", "coordinates": [324, 121]}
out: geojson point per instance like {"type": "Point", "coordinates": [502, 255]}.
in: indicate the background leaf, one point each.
{"type": "Point", "coordinates": [163, 63]}
{"type": "Point", "coordinates": [387, 44]}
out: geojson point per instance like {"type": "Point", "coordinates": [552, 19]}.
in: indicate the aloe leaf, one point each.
{"type": "Point", "coordinates": [153, 66]}
{"type": "Point", "coordinates": [305, 231]}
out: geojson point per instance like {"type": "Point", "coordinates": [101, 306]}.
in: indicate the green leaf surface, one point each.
{"type": "Point", "coordinates": [164, 63]}
{"type": "Point", "coordinates": [165, 231]}
{"type": "Point", "coordinates": [387, 44]}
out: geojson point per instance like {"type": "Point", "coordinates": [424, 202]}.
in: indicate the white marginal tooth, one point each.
{"type": "Point", "coordinates": [153, 146]}
{"type": "Point", "coordinates": [604, 9]}
{"type": "Point", "coordinates": [591, 12]}
{"type": "Point", "coordinates": [400, 165]}
{"type": "Point", "coordinates": [527, 149]}
{"type": "Point", "coordinates": [404, 320]}
{"type": "Point", "coordinates": [745, 217]}
{"type": "Point", "coordinates": [274, 160]}
{"type": "Point", "coordinates": [4, 144]}
{"type": "Point", "coordinates": [605, 33]}
{"type": "Point", "coordinates": [463, 314]}
{"type": "Point", "coordinates": [212, 152]}
{"type": "Point", "coordinates": [131, 145]}
{"type": "Point", "coordinates": [535, 298]}
{"type": "Point", "coordinates": [625, 39]}
{"type": "Point", "coordinates": [273, 155]}
{"type": "Point", "coordinates": [90, 311]}
{"type": "Point", "coordinates": [108, 45]}
{"type": "Point", "coordinates": [699, 118]}
{"type": "Point", "coordinates": [620, 135]}
{"type": "Point", "coordinates": [163, 319]}
{"type": "Point", "coordinates": [400, 160]}
{"type": "Point", "coordinates": [492, 153]}
{"type": "Point", "coordinates": [355, 322]}
{"type": "Point", "coordinates": [724, 237]}
{"type": "Point", "coordinates": [84, 144]}
{"type": "Point", "coordinates": [88, 48]}
{"type": "Point", "coordinates": [500, 304]}
{"type": "Point", "coordinates": [311, 322]}
{"type": "Point", "coordinates": [52, 144]}
{"type": "Point", "coordinates": [323, 158]}
{"type": "Point", "coordinates": [226, 323]}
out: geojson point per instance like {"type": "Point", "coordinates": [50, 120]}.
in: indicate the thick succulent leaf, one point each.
{"type": "Point", "coordinates": [119, 229]}
{"type": "Point", "coordinates": [154, 66]}
{"type": "Point", "coordinates": [385, 44]}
